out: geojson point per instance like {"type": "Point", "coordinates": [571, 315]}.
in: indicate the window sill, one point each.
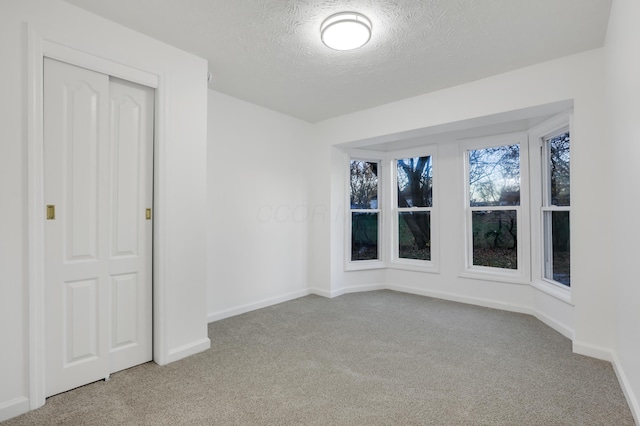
{"type": "Point", "coordinates": [553, 290]}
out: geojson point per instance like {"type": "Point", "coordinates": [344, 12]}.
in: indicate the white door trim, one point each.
{"type": "Point", "coordinates": [39, 46]}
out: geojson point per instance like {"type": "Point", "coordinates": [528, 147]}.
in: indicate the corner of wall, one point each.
{"type": "Point", "coordinates": [586, 349]}
{"type": "Point", "coordinates": [561, 328]}
{"type": "Point", "coordinates": [632, 400]}
{"type": "Point", "coordinates": [188, 349]}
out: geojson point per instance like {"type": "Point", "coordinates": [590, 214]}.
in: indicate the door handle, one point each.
{"type": "Point", "coordinates": [148, 214]}
{"type": "Point", "coordinates": [51, 211]}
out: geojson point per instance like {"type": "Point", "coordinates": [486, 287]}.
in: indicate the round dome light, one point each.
{"type": "Point", "coordinates": [345, 31]}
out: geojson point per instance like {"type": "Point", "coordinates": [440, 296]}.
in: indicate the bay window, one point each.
{"type": "Point", "coordinates": [508, 218]}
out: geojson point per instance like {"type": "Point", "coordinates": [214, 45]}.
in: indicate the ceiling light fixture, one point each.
{"type": "Point", "coordinates": [345, 31]}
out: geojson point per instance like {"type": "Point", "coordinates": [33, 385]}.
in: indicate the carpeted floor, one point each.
{"type": "Point", "coordinates": [375, 358]}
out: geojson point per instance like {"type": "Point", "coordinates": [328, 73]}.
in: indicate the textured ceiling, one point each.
{"type": "Point", "coordinates": [269, 51]}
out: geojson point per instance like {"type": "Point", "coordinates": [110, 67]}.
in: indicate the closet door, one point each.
{"type": "Point", "coordinates": [95, 301]}
{"type": "Point", "coordinates": [130, 248]}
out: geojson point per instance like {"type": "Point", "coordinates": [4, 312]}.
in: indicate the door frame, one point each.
{"type": "Point", "coordinates": [38, 47]}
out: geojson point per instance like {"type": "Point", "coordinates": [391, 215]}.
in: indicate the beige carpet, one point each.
{"type": "Point", "coordinates": [374, 358]}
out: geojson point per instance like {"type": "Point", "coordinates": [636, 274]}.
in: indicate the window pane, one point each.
{"type": "Point", "coordinates": [414, 235]}
{"type": "Point", "coordinates": [559, 167]}
{"type": "Point", "coordinates": [364, 236]}
{"type": "Point", "coordinates": [415, 184]}
{"type": "Point", "coordinates": [494, 176]}
{"type": "Point", "coordinates": [495, 238]}
{"type": "Point", "coordinates": [364, 185]}
{"type": "Point", "coordinates": [558, 255]}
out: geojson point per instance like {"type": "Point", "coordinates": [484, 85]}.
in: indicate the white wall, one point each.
{"type": "Point", "coordinates": [578, 78]}
{"type": "Point", "coordinates": [271, 237]}
{"type": "Point", "coordinates": [623, 89]}
{"type": "Point", "coordinates": [181, 190]}
{"type": "Point", "coordinates": [258, 211]}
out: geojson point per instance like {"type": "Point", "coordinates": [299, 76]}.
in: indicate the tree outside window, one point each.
{"type": "Point", "coordinates": [414, 189]}
{"type": "Point", "coordinates": [556, 206]}
{"type": "Point", "coordinates": [494, 205]}
{"type": "Point", "coordinates": [365, 213]}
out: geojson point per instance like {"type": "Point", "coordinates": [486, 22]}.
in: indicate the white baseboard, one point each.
{"type": "Point", "coordinates": [13, 407]}
{"type": "Point", "coordinates": [215, 316]}
{"type": "Point", "coordinates": [347, 290]}
{"type": "Point", "coordinates": [592, 351]}
{"type": "Point", "coordinates": [634, 404]}
{"type": "Point", "coordinates": [188, 349]}
{"type": "Point", "coordinates": [321, 292]}
{"type": "Point", "coordinates": [561, 328]}
{"type": "Point", "coordinates": [227, 313]}
{"type": "Point", "coordinates": [361, 288]}
{"type": "Point", "coordinates": [462, 299]}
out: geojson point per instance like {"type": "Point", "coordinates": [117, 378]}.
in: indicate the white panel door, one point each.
{"type": "Point", "coordinates": [89, 266]}
{"type": "Point", "coordinates": [130, 256]}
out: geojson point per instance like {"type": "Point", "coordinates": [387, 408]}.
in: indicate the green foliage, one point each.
{"type": "Point", "coordinates": [364, 236]}
{"type": "Point", "coordinates": [409, 247]}
{"type": "Point", "coordinates": [495, 239]}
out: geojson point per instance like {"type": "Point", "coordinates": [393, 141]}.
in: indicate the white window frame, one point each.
{"type": "Point", "coordinates": [395, 262]}
{"type": "Point", "coordinates": [539, 194]}
{"type": "Point", "coordinates": [357, 265]}
{"type": "Point", "coordinates": [521, 275]}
